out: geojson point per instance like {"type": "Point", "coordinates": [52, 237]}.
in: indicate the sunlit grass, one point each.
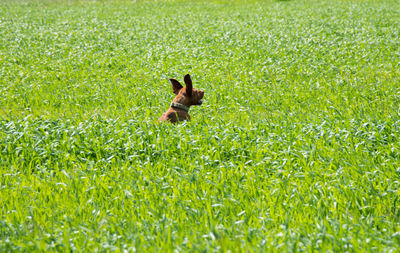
{"type": "Point", "coordinates": [296, 147]}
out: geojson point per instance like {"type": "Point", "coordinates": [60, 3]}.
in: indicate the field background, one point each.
{"type": "Point", "coordinates": [295, 148]}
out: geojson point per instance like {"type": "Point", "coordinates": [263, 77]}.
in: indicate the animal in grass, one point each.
{"type": "Point", "coordinates": [185, 97]}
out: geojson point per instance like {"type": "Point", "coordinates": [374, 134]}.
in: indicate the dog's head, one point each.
{"type": "Point", "coordinates": [187, 95]}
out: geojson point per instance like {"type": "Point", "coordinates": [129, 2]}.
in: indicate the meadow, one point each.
{"type": "Point", "coordinates": [295, 149]}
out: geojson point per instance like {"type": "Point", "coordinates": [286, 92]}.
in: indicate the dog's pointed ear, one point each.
{"type": "Point", "coordinates": [189, 87]}
{"type": "Point", "coordinates": [176, 86]}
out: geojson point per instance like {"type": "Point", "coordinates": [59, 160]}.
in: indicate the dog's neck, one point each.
{"type": "Point", "coordinates": [180, 106]}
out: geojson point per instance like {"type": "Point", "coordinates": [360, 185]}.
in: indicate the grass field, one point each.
{"type": "Point", "coordinates": [295, 148]}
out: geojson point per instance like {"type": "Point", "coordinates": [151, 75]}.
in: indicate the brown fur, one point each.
{"type": "Point", "coordinates": [187, 96]}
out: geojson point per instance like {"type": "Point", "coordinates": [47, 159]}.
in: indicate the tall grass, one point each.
{"type": "Point", "coordinates": [296, 147]}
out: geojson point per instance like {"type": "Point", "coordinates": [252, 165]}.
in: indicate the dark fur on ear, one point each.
{"type": "Point", "coordinates": [189, 87]}
{"type": "Point", "coordinates": [176, 86]}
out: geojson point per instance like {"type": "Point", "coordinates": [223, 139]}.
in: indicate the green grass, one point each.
{"type": "Point", "coordinates": [295, 148]}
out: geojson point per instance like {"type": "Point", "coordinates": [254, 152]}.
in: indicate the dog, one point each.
{"type": "Point", "coordinates": [185, 97]}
